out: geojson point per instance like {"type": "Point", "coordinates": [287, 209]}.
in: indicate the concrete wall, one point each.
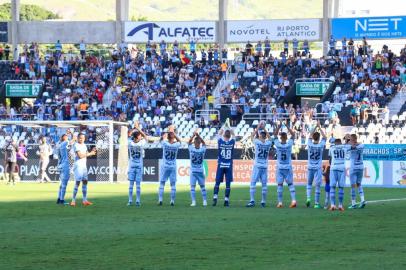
{"type": "Point", "coordinates": [66, 32]}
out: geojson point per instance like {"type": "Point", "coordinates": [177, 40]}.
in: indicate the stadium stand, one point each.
{"type": "Point", "coordinates": [160, 88]}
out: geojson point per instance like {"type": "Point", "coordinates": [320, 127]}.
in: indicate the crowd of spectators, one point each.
{"type": "Point", "coordinates": [150, 83]}
{"type": "Point", "coordinates": [163, 80]}
{"type": "Point", "coordinates": [361, 78]}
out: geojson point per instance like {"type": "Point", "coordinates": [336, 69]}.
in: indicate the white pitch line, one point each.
{"type": "Point", "coordinates": [388, 200]}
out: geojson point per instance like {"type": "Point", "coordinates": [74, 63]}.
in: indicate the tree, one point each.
{"type": "Point", "coordinates": [27, 13]}
{"type": "Point", "coordinates": [139, 19]}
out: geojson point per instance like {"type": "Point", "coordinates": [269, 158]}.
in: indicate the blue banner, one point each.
{"type": "Point", "coordinates": [390, 27]}
{"type": "Point", "coordinates": [385, 152]}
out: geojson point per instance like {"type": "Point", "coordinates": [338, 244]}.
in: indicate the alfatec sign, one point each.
{"type": "Point", "coordinates": [141, 32]}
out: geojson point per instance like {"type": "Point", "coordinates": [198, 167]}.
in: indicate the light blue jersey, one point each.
{"type": "Point", "coordinates": [315, 154]}
{"type": "Point", "coordinates": [356, 164]}
{"type": "Point", "coordinates": [135, 165]}
{"type": "Point", "coordinates": [169, 154]}
{"type": "Point", "coordinates": [63, 167]}
{"type": "Point", "coordinates": [338, 154]}
{"type": "Point", "coordinates": [168, 168]}
{"type": "Point", "coordinates": [262, 150]}
{"type": "Point", "coordinates": [63, 155]}
{"type": "Point", "coordinates": [356, 157]}
{"type": "Point", "coordinates": [196, 158]}
{"type": "Point", "coordinates": [284, 154]}
{"type": "Point", "coordinates": [136, 153]}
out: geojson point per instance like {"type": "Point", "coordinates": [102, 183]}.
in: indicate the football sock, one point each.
{"type": "Point", "coordinates": [216, 190]}
{"type": "Point", "coordinates": [317, 194]}
{"type": "Point", "coordinates": [75, 192]}
{"type": "Point", "coordinates": [228, 190]}
{"type": "Point", "coordinates": [340, 195]}
{"type": "Point", "coordinates": [63, 191]}
{"type": "Point", "coordinates": [309, 190]}
{"type": "Point", "coordinates": [161, 191]}
{"type": "Point", "coordinates": [138, 191]}
{"type": "Point", "coordinates": [361, 193]}
{"type": "Point", "coordinates": [173, 191]}
{"type": "Point", "coordinates": [130, 191]}
{"type": "Point", "coordinates": [264, 192]}
{"type": "Point", "coordinates": [280, 193]}
{"type": "Point", "coordinates": [84, 192]}
{"type": "Point", "coordinates": [327, 190]}
{"type": "Point", "coordinates": [193, 192]}
{"type": "Point", "coordinates": [252, 191]}
{"type": "Point", "coordinates": [292, 192]}
{"type": "Point", "coordinates": [333, 195]}
{"type": "Point", "coordinates": [60, 191]}
{"type": "Point", "coordinates": [353, 195]}
{"type": "Point", "coordinates": [204, 193]}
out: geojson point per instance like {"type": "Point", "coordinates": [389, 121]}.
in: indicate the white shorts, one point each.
{"type": "Point", "coordinates": [43, 164]}
{"type": "Point", "coordinates": [337, 177]}
{"type": "Point", "coordinates": [197, 177]}
{"type": "Point", "coordinates": [260, 174]}
{"type": "Point", "coordinates": [80, 174]}
{"type": "Point", "coordinates": [284, 175]}
{"type": "Point", "coordinates": [356, 176]}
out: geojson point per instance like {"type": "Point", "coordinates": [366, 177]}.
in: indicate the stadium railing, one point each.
{"type": "Point", "coordinates": [208, 115]}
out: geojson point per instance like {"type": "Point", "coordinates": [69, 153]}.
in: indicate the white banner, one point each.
{"type": "Point", "coordinates": [183, 171]}
{"type": "Point", "coordinates": [373, 173]}
{"type": "Point", "coordinates": [275, 30]}
{"type": "Point", "coordinates": [399, 173]}
{"type": "Point", "coordinates": [141, 32]}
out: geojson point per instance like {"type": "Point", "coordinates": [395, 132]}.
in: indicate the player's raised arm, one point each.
{"type": "Point", "coordinates": [176, 136]}
{"type": "Point", "coordinates": [224, 127]}
{"type": "Point", "coordinates": [322, 132]}
{"type": "Point", "coordinates": [276, 131]}
{"type": "Point", "coordinates": [254, 134]}
{"type": "Point", "coordinates": [164, 136]}
{"type": "Point", "coordinates": [347, 138]}
{"type": "Point", "coordinates": [192, 137]}
{"type": "Point", "coordinates": [221, 132]}
{"type": "Point", "coordinates": [313, 131]}
{"type": "Point", "coordinates": [232, 133]}
{"type": "Point", "coordinates": [291, 131]}
{"type": "Point", "coordinates": [137, 128]}
{"type": "Point", "coordinates": [201, 139]}
{"type": "Point", "coordinates": [86, 154]}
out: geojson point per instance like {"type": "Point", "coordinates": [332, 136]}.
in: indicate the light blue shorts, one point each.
{"type": "Point", "coordinates": [259, 175]}
{"type": "Point", "coordinates": [315, 175]}
{"type": "Point", "coordinates": [284, 175]}
{"type": "Point", "coordinates": [337, 177]}
{"type": "Point", "coordinates": [197, 177]}
{"type": "Point", "coordinates": [356, 176]}
{"type": "Point", "coordinates": [168, 173]}
{"type": "Point", "coordinates": [135, 174]}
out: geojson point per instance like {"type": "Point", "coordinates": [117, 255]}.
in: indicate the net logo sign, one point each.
{"type": "Point", "coordinates": [141, 32]}
{"type": "Point", "coordinates": [371, 28]}
{"type": "Point", "coordinates": [365, 25]}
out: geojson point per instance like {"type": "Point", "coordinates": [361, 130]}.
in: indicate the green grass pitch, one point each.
{"type": "Point", "coordinates": [35, 233]}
